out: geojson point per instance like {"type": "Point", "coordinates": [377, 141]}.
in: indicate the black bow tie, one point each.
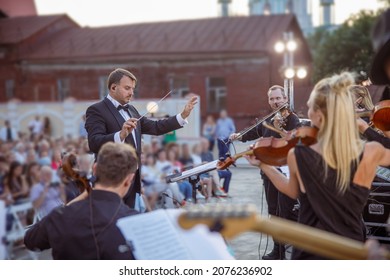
{"type": "Point", "coordinates": [123, 107]}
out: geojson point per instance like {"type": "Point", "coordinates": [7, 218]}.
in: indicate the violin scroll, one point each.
{"type": "Point", "coordinates": [69, 162]}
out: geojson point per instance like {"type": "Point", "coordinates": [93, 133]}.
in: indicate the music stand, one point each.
{"type": "Point", "coordinates": [193, 175]}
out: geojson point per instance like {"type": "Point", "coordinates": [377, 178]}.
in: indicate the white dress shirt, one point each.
{"type": "Point", "coordinates": [126, 116]}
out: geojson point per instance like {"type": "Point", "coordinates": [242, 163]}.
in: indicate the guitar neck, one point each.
{"type": "Point", "coordinates": [311, 239]}
{"type": "Point", "coordinates": [235, 219]}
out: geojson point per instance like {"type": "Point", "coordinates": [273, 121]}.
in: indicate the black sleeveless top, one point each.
{"type": "Point", "coordinates": [322, 206]}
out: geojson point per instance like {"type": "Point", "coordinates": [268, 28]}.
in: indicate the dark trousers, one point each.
{"type": "Point", "coordinates": [211, 144]}
{"type": "Point", "coordinates": [279, 204]}
{"type": "Point", "coordinates": [226, 175]}
{"type": "Point", "coordinates": [129, 198]}
{"type": "Point", "coordinates": [223, 148]}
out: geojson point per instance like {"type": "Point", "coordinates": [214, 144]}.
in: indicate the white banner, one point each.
{"type": "Point", "coordinates": [225, 269]}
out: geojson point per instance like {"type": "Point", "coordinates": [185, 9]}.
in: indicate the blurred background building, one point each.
{"type": "Point", "coordinates": [228, 61]}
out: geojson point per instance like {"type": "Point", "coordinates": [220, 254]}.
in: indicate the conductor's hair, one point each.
{"type": "Point", "coordinates": [114, 162]}
{"type": "Point", "coordinates": [116, 75]}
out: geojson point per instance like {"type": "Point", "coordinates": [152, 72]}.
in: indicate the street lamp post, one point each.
{"type": "Point", "coordinates": [289, 71]}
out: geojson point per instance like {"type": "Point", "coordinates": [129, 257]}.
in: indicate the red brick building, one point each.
{"type": "Point", "coordinates": [229, 62]}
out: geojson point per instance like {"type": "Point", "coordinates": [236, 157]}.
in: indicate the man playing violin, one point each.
{"type": "Point", "coordinates": [278, 203]}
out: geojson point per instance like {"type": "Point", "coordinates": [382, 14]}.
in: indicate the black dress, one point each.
{"type": "Point", "coordinates": [322, 206]}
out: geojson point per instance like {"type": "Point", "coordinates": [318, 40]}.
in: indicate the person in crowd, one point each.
{"type": "Point", "coordinates": [20, 152]}
{"type": "Point", "coordinates": [8, 133]}
{"type": "Point", "coordinates": [47, 195]}
{"type": "Point", "coordinates": [32, 174]}
{"type": "Point", "coordinates": [165, 168]}
{"type": "Point", "coordinates": [184, 186]}
{"type": "Point", "coordinates": [208, 131]}
{"type": "Point", "coordinates": [16, 182]}
{"type": "Point", "coordinates": [5, 193]}
{"type": "Point", "coordinates": [115, 120]}
{"type": "Point", "coordinates": [225, 175]}
{"type": "Point", "coordinates": [46, 127]}
{"type": "Point", "coordinates": [223, 129]}
{"type": "Point", "coordinates": [86, 229]}
{"type": "Point", "coordinates": [36, 127]}
{"type": "Point", "coordinates": [82, 131]}
{"type": "Point", "coordinates": [333, 177]}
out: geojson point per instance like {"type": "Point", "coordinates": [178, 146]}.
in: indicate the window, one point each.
{"type": "Point", "coordinates": [63, 88]}
{"type": "Point", "coordinates": [103, 91]}
{"type": "Point", "coordinates": [179, 86]}
{"type": "Point", "coordinates": [216, 94]}
{"type": "Point", "coordinates": [9, 89]}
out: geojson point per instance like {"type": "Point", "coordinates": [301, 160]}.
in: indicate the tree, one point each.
{"type": "Point", "coordinates": [386, 2]}
{"type": "Point", "coordinates": [348, 48]}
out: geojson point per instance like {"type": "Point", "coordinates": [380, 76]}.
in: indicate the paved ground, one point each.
{"type": "Point", "coordinates": [246, 187]}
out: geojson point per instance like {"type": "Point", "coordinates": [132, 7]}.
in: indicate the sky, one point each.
{"type": "Point", "coordinates": [116, 12]}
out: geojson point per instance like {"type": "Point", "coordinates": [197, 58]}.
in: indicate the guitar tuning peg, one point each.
{"type": "Point", "coordinates": [217, 226]}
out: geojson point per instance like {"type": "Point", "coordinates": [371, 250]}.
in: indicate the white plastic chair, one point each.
{"type": "Point", "coordinates": [17, 231]}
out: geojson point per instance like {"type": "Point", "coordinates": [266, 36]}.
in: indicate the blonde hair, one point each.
{"type": "Point", "coordinates": [338, 135]}
{"type": "Point", "coordinates": [361, 91]}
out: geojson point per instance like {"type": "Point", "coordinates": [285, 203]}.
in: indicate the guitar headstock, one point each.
{"type": "Point", "coordinates": [229, 219]}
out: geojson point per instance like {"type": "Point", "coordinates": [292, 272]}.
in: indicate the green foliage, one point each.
{"type": "Point", "coordinates": [386, 2]}
{"type": "Point", "coordinates": [347, 48]}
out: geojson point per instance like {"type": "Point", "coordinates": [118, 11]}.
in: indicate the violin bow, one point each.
{"type": "Point", "coordinates": [246, 130]}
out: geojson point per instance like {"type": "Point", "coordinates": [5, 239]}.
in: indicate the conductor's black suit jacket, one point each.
{"type": "Point", "coordinates": [103, 120]}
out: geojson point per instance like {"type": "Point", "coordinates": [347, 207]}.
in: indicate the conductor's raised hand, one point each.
{"type": "Point", "coordinates": [127, 128]}
{"type": "Point", "coordinates": [189, 106]}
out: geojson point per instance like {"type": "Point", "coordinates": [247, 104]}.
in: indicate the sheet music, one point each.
{"type": "Point", "coordinates": [157, 236]}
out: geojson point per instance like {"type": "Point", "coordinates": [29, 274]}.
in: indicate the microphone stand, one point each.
{"type": "Point", "coordinates": [194, 180]}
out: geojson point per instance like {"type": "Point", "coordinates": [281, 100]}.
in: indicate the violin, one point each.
{"type": "Point", "coordinates": [273, 151]}
{"type": "Point", "coordinates": [69, 162]}
{"type": "Point", "coordinates": [380, 116]}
